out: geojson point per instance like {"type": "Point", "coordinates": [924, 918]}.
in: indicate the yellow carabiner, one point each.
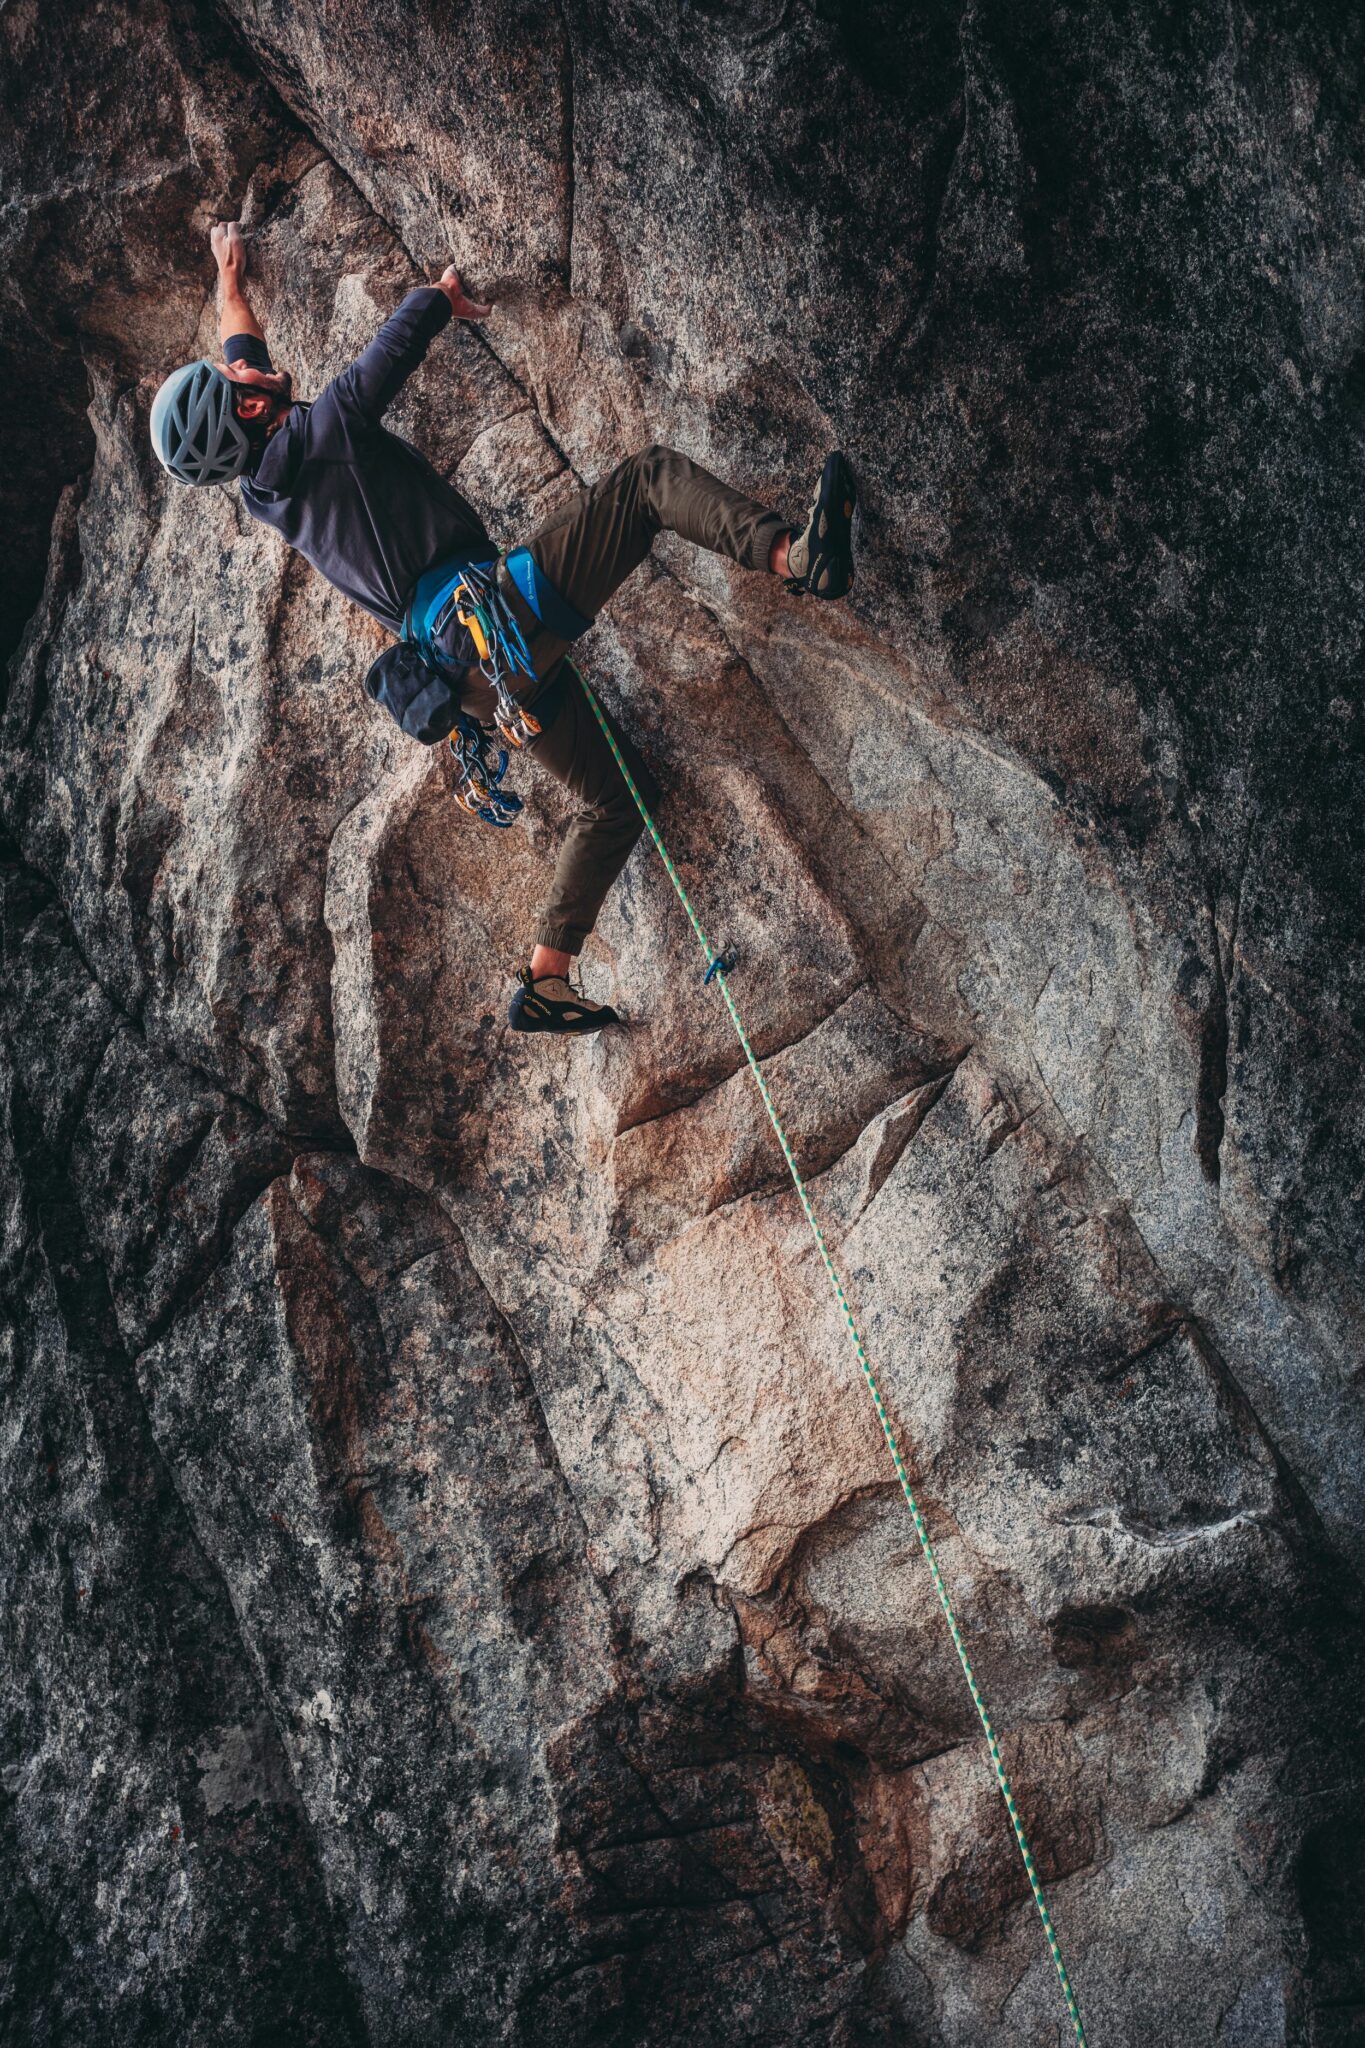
{"type": "Point", "coordinates": [470, 621]}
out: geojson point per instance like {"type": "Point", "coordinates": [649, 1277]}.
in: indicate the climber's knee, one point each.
{"type": "Point", "coordinates": [609, 807]}
{"type": "Point", "coordinates": [618, 818]}
{"type": "Point", "coordinates": [652, 465]}
{"type": "Point", "coordinates": [649, 791]}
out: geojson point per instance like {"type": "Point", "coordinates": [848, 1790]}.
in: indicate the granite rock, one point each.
{"type": "Point", "coordinates": [455, 1585]}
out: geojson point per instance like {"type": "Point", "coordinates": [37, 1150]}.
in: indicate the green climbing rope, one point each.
{"type": "Point", "coordinates": [716, 970]}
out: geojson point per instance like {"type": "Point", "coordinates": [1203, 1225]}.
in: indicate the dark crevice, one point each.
{"type": "Point", "coordinates": [53, 596]}
{"type": "Point", "coordinates": [1212, 1081]}
{"type": "Point", "coordinates": [915, 328]}
{"type": "Point", "coordinates": [566, 93]}
{"type": "Point", "coordinates": [48, 446]}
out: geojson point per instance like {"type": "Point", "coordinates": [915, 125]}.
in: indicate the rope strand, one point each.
{"type": "Point", "coordinates": [715, 967]}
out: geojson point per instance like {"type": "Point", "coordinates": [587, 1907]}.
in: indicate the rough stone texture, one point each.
{"type": "Point", "coordinates": [453, 1583]}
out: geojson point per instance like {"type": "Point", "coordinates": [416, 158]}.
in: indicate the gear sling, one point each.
{"type": "Point", "coordinates": [416, 681]}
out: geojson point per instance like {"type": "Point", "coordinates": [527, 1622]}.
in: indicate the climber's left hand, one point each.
{"type": "Point", "coordinates": [229, 248]}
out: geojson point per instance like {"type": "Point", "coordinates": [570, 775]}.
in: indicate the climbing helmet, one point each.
{"type": "Point", "coordinates": [195, 431]}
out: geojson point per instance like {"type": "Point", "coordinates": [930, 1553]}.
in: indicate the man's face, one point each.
{"type": "Point", "coordinates": [261, 394]}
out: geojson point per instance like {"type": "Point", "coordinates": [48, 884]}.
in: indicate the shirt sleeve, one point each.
{"type": "Point", "coordinates": [362, 394]}
{"type": "Point", "coordinates": [248, 349]}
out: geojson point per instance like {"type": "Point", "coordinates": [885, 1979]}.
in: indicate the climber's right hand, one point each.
{"type": "Point", "coordinates": [462, 307]}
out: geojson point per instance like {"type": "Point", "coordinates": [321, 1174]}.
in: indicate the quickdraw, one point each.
{"type": "Point", "coordinates": [489, 620]}
{"type": "Point", "coordinates": [504, 658]}
{"type": "Point", "coordinates": [469, 590]}
{"type": "Point", "coordinates": [478, 786]}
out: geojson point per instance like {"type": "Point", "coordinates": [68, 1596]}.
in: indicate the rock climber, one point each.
{"type": "Point", "coordinates": [369, 511]}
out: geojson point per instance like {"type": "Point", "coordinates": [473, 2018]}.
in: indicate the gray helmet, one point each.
{"type": "Point", "coordinates": [195, 431]}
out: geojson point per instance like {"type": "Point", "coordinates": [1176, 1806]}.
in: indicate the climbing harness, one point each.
{"type": "Point", "coordinates": [720, 968]}
{"type": "Point", "coordinates": [554, 612]}
{"type": "Point", "coordinates": [503, 656]}
{"type": "Point", "coordinates": [467, 590]}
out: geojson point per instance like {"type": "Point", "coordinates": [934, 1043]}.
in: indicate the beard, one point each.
{"type": "Point", "coordinates": [279, 388]}
{"type": "Point", "coordinates": [276, 384]}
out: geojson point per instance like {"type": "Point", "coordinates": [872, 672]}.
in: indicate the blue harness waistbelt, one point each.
{"type": "Point", "coordinates": [429, 607]}
{"type": "Point", "coordinates": [555, 613]}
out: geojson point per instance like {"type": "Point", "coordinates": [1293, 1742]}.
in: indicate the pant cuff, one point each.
{"type": "Point", "coordinates": [561, 938]}
{"type": "Point", "coordinates": [761, 542]}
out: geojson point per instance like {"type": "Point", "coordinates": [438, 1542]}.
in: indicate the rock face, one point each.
{"type": "Point", "coordinates": [454, 1585]}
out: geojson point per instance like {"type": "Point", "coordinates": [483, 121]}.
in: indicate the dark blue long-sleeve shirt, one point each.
{"type": "Point", "coordinates": [362, 505]}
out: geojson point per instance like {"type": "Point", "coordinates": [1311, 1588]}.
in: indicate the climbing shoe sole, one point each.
{"type": "Point", "coordinates": [821, 555]}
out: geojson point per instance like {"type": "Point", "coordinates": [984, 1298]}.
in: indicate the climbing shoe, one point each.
{"type": "Point", "coordinates": [550, 1004]}
{"type": "Point", "coordinates": [821, 556]}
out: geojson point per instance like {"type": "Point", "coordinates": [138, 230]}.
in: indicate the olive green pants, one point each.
{"type": "Point", "coordinates": [587, 550]}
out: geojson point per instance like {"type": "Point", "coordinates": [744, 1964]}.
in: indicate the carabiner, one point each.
{"type": "Point", "coordinates": [519, 728]}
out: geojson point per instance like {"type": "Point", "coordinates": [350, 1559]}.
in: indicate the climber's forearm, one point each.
{"type": "Point", "coordinates": [234, 314]}
{"type": "Point", "coordinates": [229, 253]}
